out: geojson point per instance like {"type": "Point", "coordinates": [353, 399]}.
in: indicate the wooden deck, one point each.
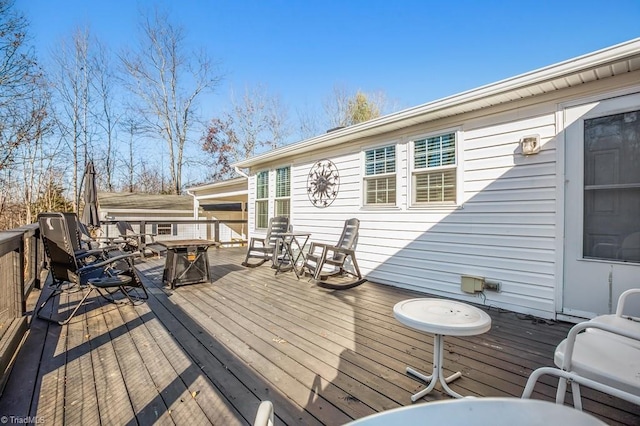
{"type": "Point", "coordinates": [209, 353]}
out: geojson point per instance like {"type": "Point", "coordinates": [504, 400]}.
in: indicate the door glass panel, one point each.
{"type": "Point", "coordinates": [612, 187]}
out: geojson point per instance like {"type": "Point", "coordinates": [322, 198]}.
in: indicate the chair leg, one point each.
{"type": "Point", "coordinates": [577, 399]}
{"type": "Point", "coordinates": [355, 266]}
{"type": "Point", "coordinates": [319, 265]}
{"type": "Point", "coordinates": [66, 321]}
{"type": "Point", "coordinates": [562, 390]}
{"type": "Point", "coordinates": [56, 290]}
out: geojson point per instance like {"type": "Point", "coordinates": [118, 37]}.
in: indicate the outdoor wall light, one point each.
{"type": "Point", "coordinates": [530, 144]}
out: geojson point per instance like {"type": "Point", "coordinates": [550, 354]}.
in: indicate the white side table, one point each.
{"type": "Point", "coordinates": [442, 318]}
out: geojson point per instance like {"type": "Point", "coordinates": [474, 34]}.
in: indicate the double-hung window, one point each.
{"type": "Point", "coordinates": [380, 176]}
{"type": "Point", "coordinates": [434, 170]}
{"type": "Point", "coordinates": [283, 191]}
{"type": "Point", "coordinates": [262, 199]}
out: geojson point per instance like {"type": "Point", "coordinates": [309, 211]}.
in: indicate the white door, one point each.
{"type": "Point", "coordinates": [602, 211]}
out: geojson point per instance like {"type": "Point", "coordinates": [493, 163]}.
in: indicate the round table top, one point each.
{"type": "Point", "coordinates": [482, 411]}
{"type": "Point", "coordinates": [442, 316]}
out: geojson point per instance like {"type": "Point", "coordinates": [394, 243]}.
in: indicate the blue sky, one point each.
{"type": "Point", "coordinates": [414, 51]}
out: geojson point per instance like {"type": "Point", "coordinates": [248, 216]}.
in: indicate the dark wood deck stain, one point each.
{"type": "Point", "coordinates": [209, 353]}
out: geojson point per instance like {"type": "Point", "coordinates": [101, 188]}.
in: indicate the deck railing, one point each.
{"type": "Point", "coordinates": [21, 261]}
{"type": "Point", "coordinates": [225, 232]}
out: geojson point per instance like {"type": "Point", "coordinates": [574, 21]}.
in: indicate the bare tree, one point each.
{"type": "Point", "coordinates": [256, 120]}
{"type": "Point", "coordinates": [309, 124]}
{"type": "Point", "coordinates": [73, 98]}
{"type": "Point", "coordinates": [23, 116]}
{"type": "Point", "coordinates": [336, 106]}
{"type": "Point", "coordinates": [277, 122]}
{"type": "Point", "coordinates": [345, 109]}
{"type": "Point", "coordinates": [132, 128]}
{"type": "Point", "coordinates": [105, 114]}
{"type": "Point", "coordinates": [248, 118]}
{"type": "Point", "coordinates": [18, 75]}
{"type": "Point", "coordinates": [221, 143]}
{"type": "Point", "coordinates": [34, 160]}
{"type": "Point", "coordinates": [168, 81]}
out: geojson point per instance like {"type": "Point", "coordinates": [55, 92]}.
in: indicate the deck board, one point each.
{"type": "Point", "coordinates": [209, 353]}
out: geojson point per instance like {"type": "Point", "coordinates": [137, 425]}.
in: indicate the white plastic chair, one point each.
{"type": "Point", "coordinates": [264, 416]}
{"type": "Point", "coordinates": [607, 360]}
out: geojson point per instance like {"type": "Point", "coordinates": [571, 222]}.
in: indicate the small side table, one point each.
{"type": "Point", "coordinates": [187, 261]}
{"type": "Point", "coordinates": [293, 244]}
{"type": "Point", "coordinates": [442, 318]}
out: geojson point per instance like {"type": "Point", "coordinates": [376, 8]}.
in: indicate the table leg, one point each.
{"type": "Point", "coordinates": [285, 245]}
{"type": "Point", "coordinates": [300, 254]}
{"type": "Point", "coordinates": [437, 374]}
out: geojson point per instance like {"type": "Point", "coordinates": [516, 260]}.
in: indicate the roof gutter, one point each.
{"type": "Point", "coordinates": [240, 172]}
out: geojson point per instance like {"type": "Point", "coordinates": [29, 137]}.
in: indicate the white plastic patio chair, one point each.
{"type": "Point", "coordinates": [265, 415]}
{"type": "Point", "coordinates": [607, 361]}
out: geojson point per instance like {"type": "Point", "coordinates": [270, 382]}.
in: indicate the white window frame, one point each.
{"type": "Point", "coordinates": [283, 198]}
{"type": "Point", "coordinates": [413, 171]}
{"type": "Point", "coordinates": [366, 177]}
{"type": "Point", "coordinates": [162, 227]}
{"type": "Point", "coordinates": [261, 201]}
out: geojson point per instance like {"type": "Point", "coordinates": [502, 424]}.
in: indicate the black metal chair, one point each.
{"type": "Point", "coordinates": [106, 274]}
{"type": "Point", "coordinates": [139, 241]}
{"type": "Point", "coordinates": [89, 241]}
{"type": "Point", "coordinates": [336, 256]}
{"type": "Point", "coordinates": [267, 248]}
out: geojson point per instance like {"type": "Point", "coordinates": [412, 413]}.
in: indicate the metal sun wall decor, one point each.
{"type": "Point", "coordinates": [323, 183]}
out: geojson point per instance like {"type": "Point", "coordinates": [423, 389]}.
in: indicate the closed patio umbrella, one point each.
{"type": "Point", "coordinates": [90, 212]}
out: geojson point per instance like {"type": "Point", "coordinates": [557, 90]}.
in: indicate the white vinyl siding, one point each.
{"type": "Point", "coordinates": [380, 176]}
{"type": "Point", "coordinates": [262, 199]}
{"type": "Point", "coordinates": [434, 177]}
{"type": "Point", "coordinates": [283, 191]}
{"type": "Point", "coordinates": [504, 229]}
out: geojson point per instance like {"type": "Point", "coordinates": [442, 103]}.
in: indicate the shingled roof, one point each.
{"type": "Point", "coordinates": [141, 201]}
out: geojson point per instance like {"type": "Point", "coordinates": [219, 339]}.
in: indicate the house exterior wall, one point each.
{"type": "Point", "coordinates": [507, 225]}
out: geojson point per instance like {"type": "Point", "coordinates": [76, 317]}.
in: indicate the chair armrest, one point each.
{"type": "Point", "coordinates": [346, 251]}
{"type": "Point", "coordinates": [326, 248]}
{"type": "Point", "coordinates": [82, 253]}
{"type": "Point", "coordinates": [107, 262]}
{"type": "Point", "coordinates": [263, 241]}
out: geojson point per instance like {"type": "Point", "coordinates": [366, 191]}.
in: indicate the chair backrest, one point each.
{"type": "Point", "coordinates": [278, 225]}
{"type": "Point", "coordinates": [124, 228]}
{"type": "Point", "coordinates": [74, 230]}
{"type": "Point", "coordinates": [84, 234]}
{"type": "Point", "coordinates": [59, 245]}
{"type": "Point", "coordinates": [349, 237]}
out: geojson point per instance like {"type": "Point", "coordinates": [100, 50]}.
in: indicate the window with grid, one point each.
{"type": "Point", "coordinates": [434, 170]}
{"type": "Point", "coordinates": [283, 191]}
{"type": "Point", "coordinates": [262, 199]}
{"type": "Point", "coordinates": [164, 229]}
{"type": "Point", "coordinates": [380, 176]}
